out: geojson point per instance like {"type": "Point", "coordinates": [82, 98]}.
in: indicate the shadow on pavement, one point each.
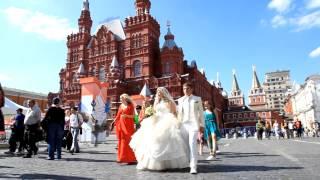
{"type": "Point", "coordinates": [84, 160]}
{"type": "Point", "coordinates": [96, 152]}
{"type": "Point", "coordinates": [51, 176]}
{"type": "Point", "coordinates": [241, 155]}
{"type": "Point", "coordinates": [40, 176]}
{"type": "Point", "coordinates": [5, 156]}
{"type": "Point", "coordinates": [237, 168]}
{"type": "Point", "coordinates": [5, 167]}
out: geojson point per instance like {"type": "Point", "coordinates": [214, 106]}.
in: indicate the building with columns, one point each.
{"type": "Point", "coordinates": [127, 55]}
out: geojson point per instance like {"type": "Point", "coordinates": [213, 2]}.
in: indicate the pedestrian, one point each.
{"type": "Point", "coordinates": [259, 129]}
{"type": "Point", "coordinates": [67, 136]}
{"type": "Point", "coordinates": [316, 129]}
{"type": "Point", "coordinates": [96, 129]}
{"type": "Point", "coordinates": [55, 118]}
{"type": "Point", "coordinates": [1, 105]}
{"type": "Point", "coordinates": [276, 128]}
{"type": "Point", "coordinates": [124, 123]}
{"type": "Point", "coordinates": [291, 129]}
{"type": "Point", "coordinates": [211, 130]}
{"type": "Point", "coordinates": [76, 121]}
{"type": "Point", "coordinates": [32, 124]}
{"type": "Point", "coordinates": [17, 133]}
{"type": "Point", "coordinates": [268, 130]}
{"type": "Point", "coordinates": [143, 112]}
{"type": "Point", "coordinates": [190, 113]}
{"type": "Point", "coordinates": [109, 115]}
{"type": "Point", "coordinates": [298, 127]}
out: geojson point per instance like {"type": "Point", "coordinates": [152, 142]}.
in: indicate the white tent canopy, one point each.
{"type": "Point", "coordinates": [10, 107]}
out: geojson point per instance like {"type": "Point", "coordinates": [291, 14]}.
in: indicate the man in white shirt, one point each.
{"type": "Point", "coordinates": [31, 122]}
{"type": "Point", "coordinates": [190, 113]}
{"type": "Point", "coordinates": [76, 120]}
{"type": "Point", "coordinates": [291, 128]}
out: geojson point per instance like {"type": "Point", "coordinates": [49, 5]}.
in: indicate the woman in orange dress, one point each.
{"type": "Point", "coordinates": [124, 123]}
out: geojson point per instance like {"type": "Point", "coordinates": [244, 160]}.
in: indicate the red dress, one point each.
{"type": "Point", "coordinates": [124, 130]}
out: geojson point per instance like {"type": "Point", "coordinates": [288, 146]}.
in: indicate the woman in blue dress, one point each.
{"type": "Point", "coordinates": [211, 132]}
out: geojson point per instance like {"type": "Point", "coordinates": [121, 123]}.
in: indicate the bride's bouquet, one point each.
{"type": "Point", "coordinates": [148, 111]}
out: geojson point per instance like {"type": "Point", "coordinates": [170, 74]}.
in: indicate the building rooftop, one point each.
{"type": "Point", "coordinates": [8, 90]}
{"type": "Point", "coordinates": [278, 72]}
{"type": "Point", "coordinates": [115, 26]}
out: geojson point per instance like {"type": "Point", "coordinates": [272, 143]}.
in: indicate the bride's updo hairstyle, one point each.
{"type": "Point", "coordinates": [166, 96]}
{"type": "Point", "coordinates": [126, 97]}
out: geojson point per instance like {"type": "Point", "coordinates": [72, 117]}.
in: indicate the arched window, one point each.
{"type": "Point", "coordinates": [102, 74]}
{"type": "Point", "coordinates": [166, 68]}
{"type": "Point", "coordinates": [137, 68]}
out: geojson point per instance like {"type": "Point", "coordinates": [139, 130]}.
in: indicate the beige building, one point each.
{"type": "Point", "coordinates": [275, 86]}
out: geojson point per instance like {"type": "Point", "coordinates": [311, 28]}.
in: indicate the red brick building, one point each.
{"type": "Point", "coordinates": [127, 55]}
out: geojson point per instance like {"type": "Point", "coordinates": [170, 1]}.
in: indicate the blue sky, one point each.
{"type": "Point", "coordinates": [220, 35]}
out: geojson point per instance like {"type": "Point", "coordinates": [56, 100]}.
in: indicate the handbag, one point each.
{"type": "Point", "coordinates": [44, 124]}
{"type": "Point", "coordinates": [40, 135]}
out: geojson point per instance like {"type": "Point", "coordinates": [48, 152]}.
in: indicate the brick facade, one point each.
{"type": "Point", "coordinates": [129, 56]}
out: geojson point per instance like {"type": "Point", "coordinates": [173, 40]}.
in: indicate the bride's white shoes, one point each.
{"type": "Point", "coordinates": [193, 171]}
{"type": "Point", "coordinates": [140, 167]}
{"type": "Point", "coordinates": [210, 158]}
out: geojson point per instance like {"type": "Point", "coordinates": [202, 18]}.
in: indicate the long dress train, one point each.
{"type": "Point", "coordinates": [158, 144]}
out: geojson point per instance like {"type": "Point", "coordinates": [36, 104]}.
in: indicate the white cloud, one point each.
{"type": "Point", "coordinates": [311, 4]}
{"type": "Point", "coordinates": [49, 27]}
{"type": "Point", "coordinates": [308, 21]}
{"type": "Point", "coordinates": [315, 53]}
{"type": "Point", "coordinates": [280, 5]}
{"type": "Point", "coordinates": [278, 21]}
{"type": "Point", "coordinates": [4, 77]}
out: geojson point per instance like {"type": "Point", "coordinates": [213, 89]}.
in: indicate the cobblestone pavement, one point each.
{"type": "Point", "coordinates": [239, 159]}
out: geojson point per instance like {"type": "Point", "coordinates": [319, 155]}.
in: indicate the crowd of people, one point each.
{"type": "Point", "coordinates": [59, 128]}
{"type": "Point", "coordinates": [286, 129]}
{"type": "Point", "coordinates": [158, 135]}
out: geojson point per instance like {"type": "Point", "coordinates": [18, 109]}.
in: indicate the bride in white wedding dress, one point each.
{"type": "Point", "coordinates": [158, 144]}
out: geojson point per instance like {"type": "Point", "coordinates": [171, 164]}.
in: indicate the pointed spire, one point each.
{"type": "Point", "coordinates": [114, 63]}
{"type": "Point", "coordinates": [81, 70]}
{"type": "Point", "coordinates": [218, 82]}
{"type": "Point", "coordinates": [202, 71]}
{"type": "Point", "coordinates": [235, 85]}
{"type": "Point", "coordinates": [145, 91]}
{"type": "Point", "coordinates": [86, 5]}
{"type": "Point", "coordinates": [255, 80]}
{"type": "Point", "coordinates": [169, 35]}
{"type": "Point", "coordinates": [85, 21]}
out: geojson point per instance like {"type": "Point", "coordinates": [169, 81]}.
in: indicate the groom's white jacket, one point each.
{"type": "Point", "coordinates": [195, 111]}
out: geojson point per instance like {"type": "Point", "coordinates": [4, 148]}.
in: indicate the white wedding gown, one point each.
{"type": "Point", "coordinates": [158, 144]}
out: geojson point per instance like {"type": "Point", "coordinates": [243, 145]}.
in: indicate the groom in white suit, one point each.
{"type": "Point", "coordinates": [190, 113]}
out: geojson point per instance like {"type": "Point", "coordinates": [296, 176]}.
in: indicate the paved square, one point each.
{"type": "Point", "coordinates": [239, 159]}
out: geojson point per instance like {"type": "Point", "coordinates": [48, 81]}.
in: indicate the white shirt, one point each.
{"type": "Point", "coordinates": [33, 116]}
{"type": "Point", "coordinates": [290, 125]}
{"type": "Point", "coordinates": [74, 122]}
{"type": "Point", "coordinates": [186, 109]}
